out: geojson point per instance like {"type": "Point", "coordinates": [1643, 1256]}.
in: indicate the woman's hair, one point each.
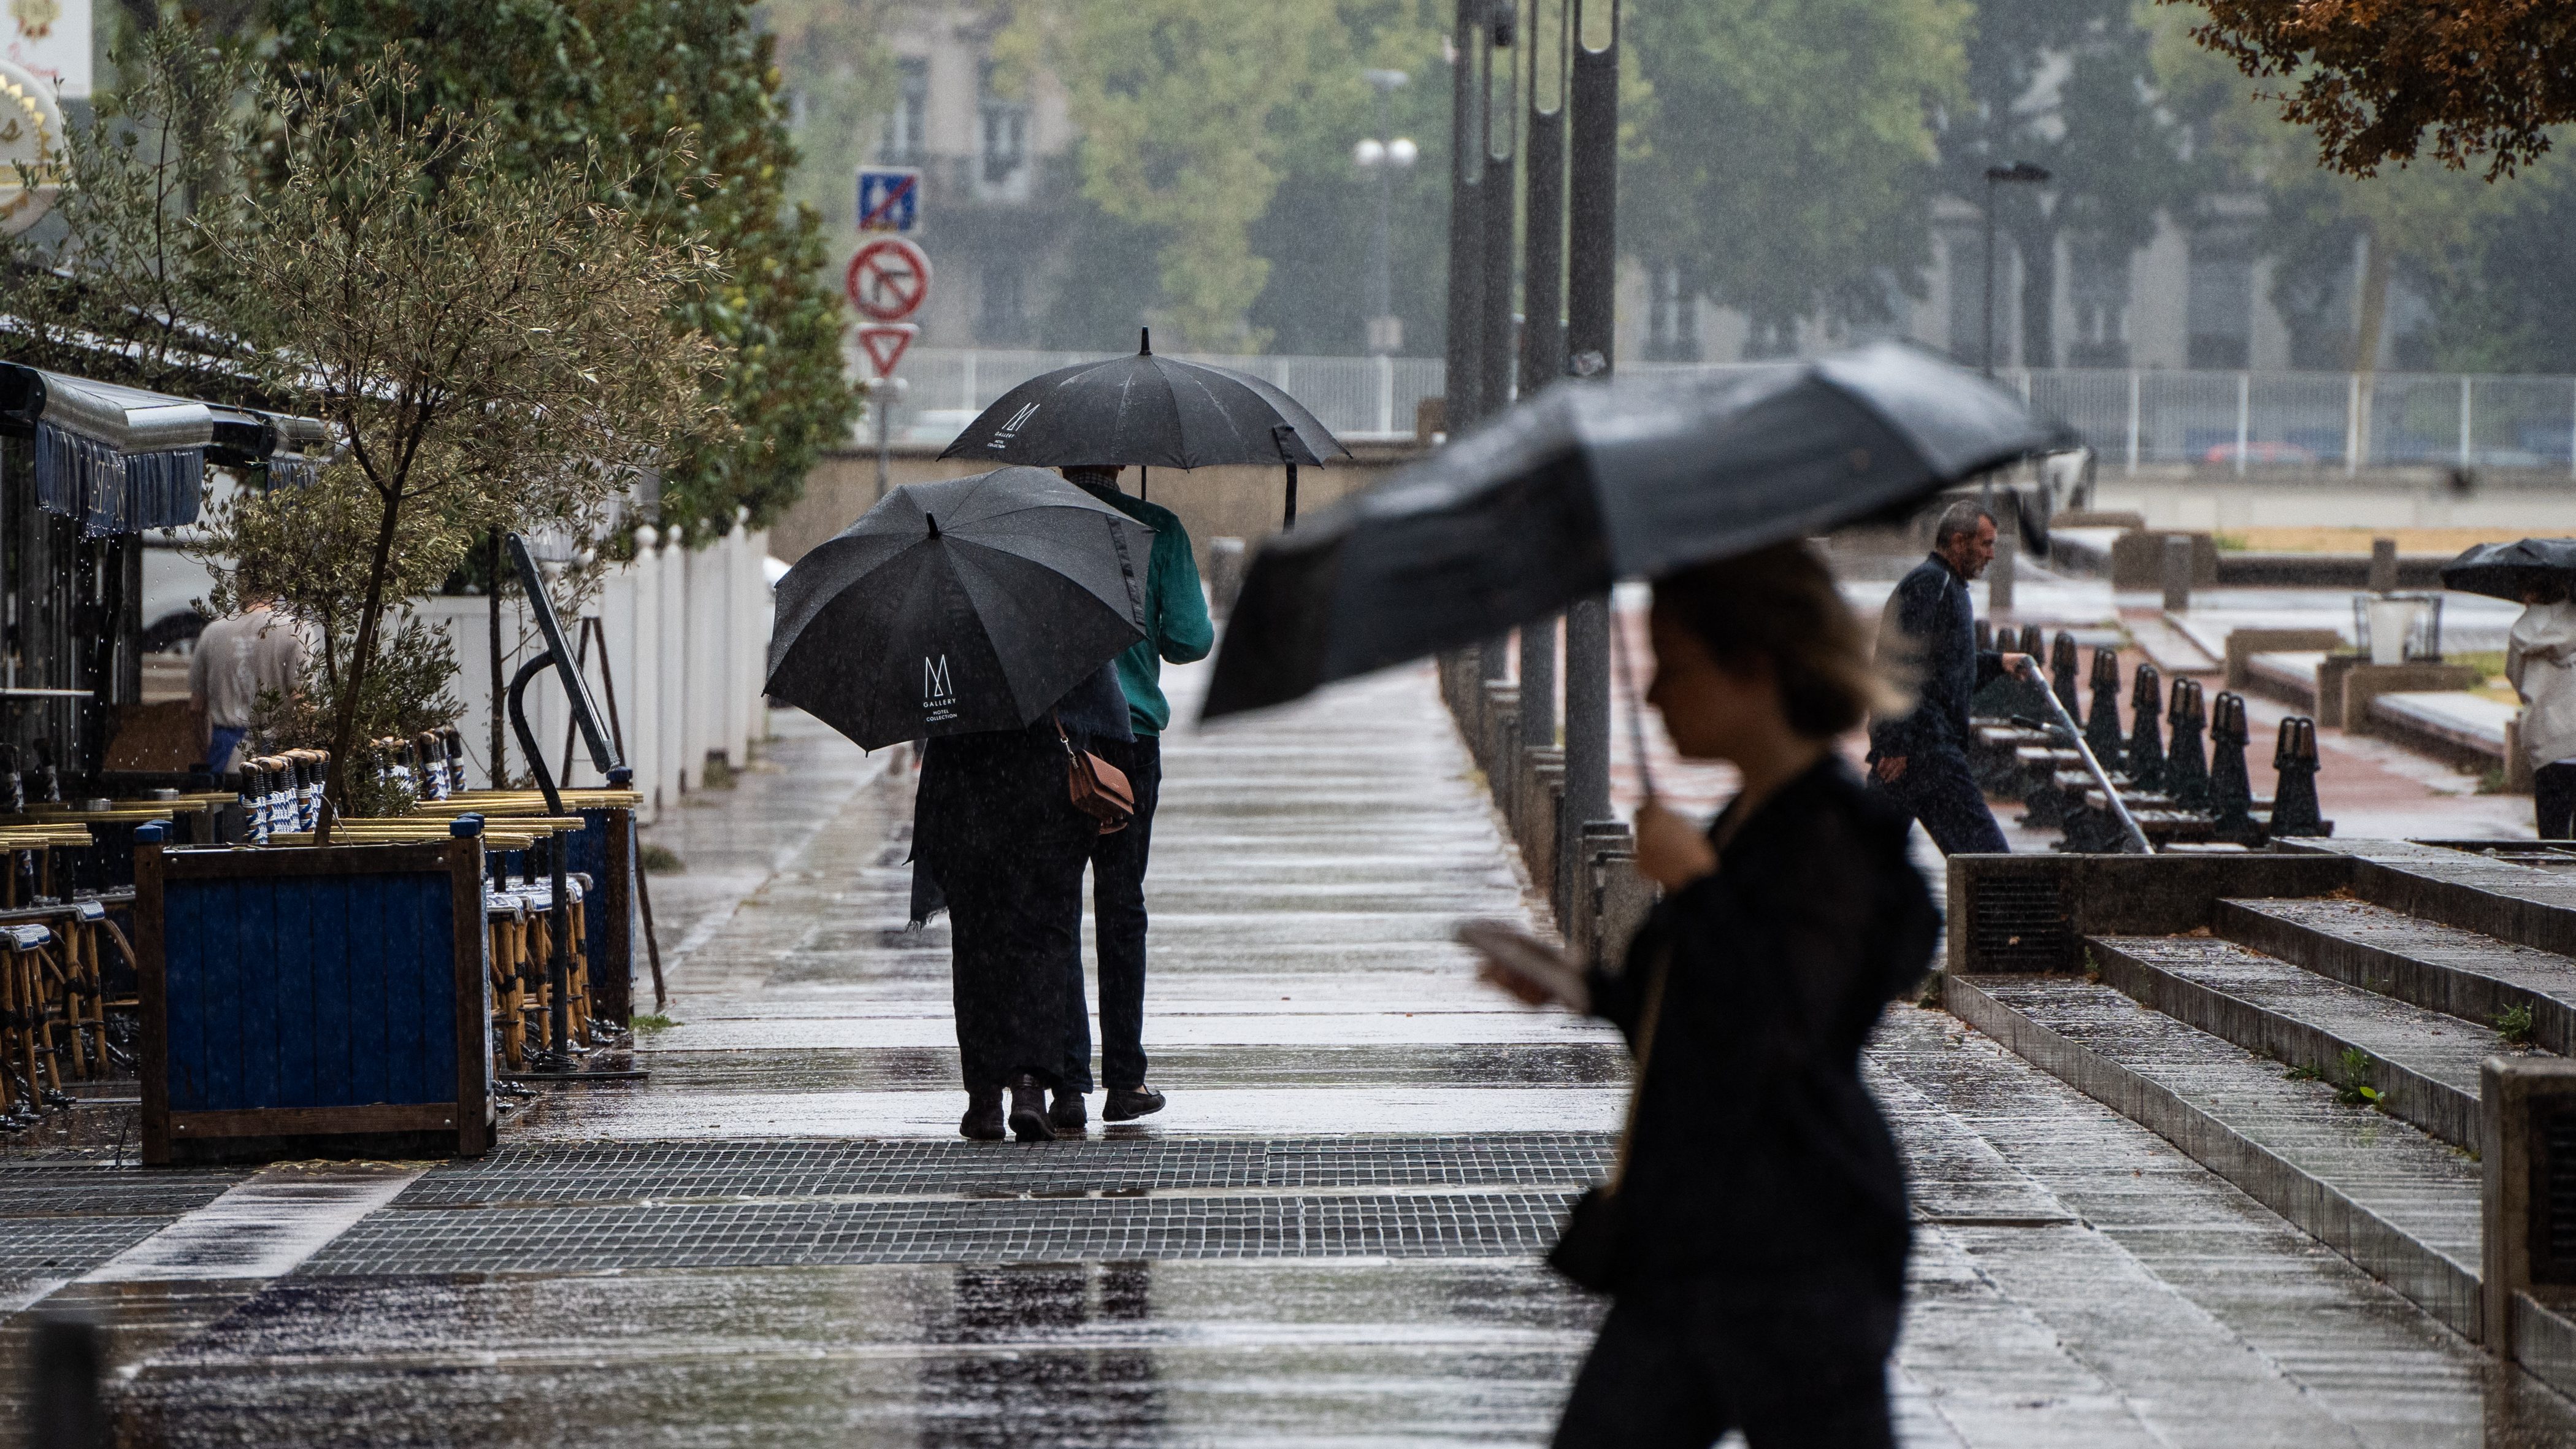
{"type": "Point", "coordinates": [2547, 591]}
{"type": "Point", "coordinates": [1780, 604]}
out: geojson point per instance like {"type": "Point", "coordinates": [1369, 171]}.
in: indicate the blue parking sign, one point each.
{"type": "Point", "coordinates": [889, 198]}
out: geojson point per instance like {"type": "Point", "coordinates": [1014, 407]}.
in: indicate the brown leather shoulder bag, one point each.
{"type": "Point", "coordinates": [1099, 788]}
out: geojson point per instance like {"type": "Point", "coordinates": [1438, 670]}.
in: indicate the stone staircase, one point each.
{"type": "Point", "coordinates": [2322, 1028]}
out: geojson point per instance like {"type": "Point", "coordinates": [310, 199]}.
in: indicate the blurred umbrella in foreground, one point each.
{"type": "Point", "coordinates": [1590, 483]}
{"type": "Point", "coordinates": [1149, 412]}
{"type": "Point", "coordinates": [961, 605]}
{"type": "Point", "coordinates": [2506, 570]}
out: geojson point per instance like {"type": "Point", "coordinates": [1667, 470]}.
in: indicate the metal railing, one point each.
{"type": "Point", "coordinates": [2247, 421]}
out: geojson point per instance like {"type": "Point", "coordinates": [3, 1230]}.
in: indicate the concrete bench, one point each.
{"type": "Point", "coordinates": [2292, 673]}
{"type": "Point", "coordinates": [2453, 721]}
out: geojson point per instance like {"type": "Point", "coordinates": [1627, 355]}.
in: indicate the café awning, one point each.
{"type": "Point", "coordinates": [121, 459]}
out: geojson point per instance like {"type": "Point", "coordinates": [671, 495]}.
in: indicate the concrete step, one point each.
{"type": "Point", "coordinates": [2457, 972]}
{"type": "Point", "coordinates": [2498, 898]}
{"type": "Point", "coordinates": [2396, 1201]}
{"type": "Point", "coordinates": [2423, 1064]}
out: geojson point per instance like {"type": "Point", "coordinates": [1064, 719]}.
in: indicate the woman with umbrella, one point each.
{"type": "Point", "coordinates": [2540, 660]}
{"type": "Point", "coordinates": [982, 614]}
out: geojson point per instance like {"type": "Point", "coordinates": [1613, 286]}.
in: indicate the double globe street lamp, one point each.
{"type": "Point", "coordinates": [1383, 156]}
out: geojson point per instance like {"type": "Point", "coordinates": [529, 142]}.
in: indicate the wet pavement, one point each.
{"type": "Point", "coordinates": [1331, 1237]}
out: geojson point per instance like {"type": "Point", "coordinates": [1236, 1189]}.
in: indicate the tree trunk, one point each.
{"type": "Point", "coordinates": [336, 781]}
{"type": "Point", "coordinates": [2038, 248]}
{"type": "Point", "coordinates": [2369, 319]}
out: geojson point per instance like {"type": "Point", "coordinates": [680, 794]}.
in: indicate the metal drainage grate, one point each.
{"type": "Point", "coordinates": [82, 1190]}
{"type": "Point", "coordinates": [604, 1172]}
{"type": "Point", "coordinates": [747, 1235]}
{"type": "Point", "coordinates": [66, 1247]}
{"type": "Point", "coordinates": [2015, 923]}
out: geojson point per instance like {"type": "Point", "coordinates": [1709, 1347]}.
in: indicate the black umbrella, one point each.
{"type": "Point", "coordinates": [2505, 570]}
{"type": "Point", "coordinates": [1150, 412]}
{"type": "Point", "coordinates": [966, 604]}
{"type": "Point", "coordinates": [1593, 482]}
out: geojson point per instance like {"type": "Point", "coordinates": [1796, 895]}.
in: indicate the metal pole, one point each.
{"type": "Point", "coordinates": [881, 402]}
{"type": "Point", "coordinates": [2092, 766]}
{"type": "Point", "coordinates": [1381, 291]}
{"type": "Point", "coordinates": [1494, 332]}
{"type": "Point", "coordinates": [2467, 448]}
{"type": "Point", "coordinates": [1542, 306]}
{"type": "Point", "coordinates": [1466, 219]}
{"type": "Point", "coordinates": [1990, 276]}
{"type": "Point", "coordinates": [2244, 417]}
{"type": "Point", "coordinates": [2133, 421]}
{"type": "Point", "coordinates": [1592, 145]}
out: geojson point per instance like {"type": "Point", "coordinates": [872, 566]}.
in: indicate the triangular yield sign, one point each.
{"type": "Point", "coordinates": [884, 344]}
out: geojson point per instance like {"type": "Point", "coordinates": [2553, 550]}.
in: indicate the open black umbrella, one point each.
{"type": "Point", "coordinates": [1148, 412]}
{"type": "Point", "coordinates": [961, 605]}
{"type": "Point", "coordinates": [1593, 482]}
{"type": "Point", "coordinates": [2505, 570]}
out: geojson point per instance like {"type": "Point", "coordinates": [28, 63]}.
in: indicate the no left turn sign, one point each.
{"type": "Point", "coordinates": [888, 279]}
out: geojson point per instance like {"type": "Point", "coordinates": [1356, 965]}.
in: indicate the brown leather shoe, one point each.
{"type": "Point", "coordinates": [1028, 1110]}
{"type": "Point", "coordinates": [983, 1120]}
{"type": "Point", "coordinates": [1128, 1103]}
{"type": "Point", "coordinates": [1066, 1114]}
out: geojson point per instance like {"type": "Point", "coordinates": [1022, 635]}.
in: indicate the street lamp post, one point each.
{"type": "Point", "coordinates": [1384, 155]}
{"type": "Point", "coordinates": [2018, 173]}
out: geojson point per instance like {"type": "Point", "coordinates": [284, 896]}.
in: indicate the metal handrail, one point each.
{"type": "Point", "coordinates": [2101, 777]}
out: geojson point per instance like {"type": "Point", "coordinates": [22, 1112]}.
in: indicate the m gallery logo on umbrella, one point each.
{"type": "Point", "coordinates": [938, 691]}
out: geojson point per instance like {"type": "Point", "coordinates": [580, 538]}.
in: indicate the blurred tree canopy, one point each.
{"type": "Point", "coordinates": [2487, 78]}
{"type": "Point", "coordinates": [674, 106]}
{"type": "Point", "coordinates": [1783, 156]}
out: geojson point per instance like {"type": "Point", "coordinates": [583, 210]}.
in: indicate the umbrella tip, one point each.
{"type": "Point", "coordinates": [1144, 342]}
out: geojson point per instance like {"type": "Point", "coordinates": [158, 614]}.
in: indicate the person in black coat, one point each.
{"type": "Point", "coordinates": [997, 839]}
{"type": "Point", "coordinates": [1761, 1228]}
{"type": "Point", "coordinates": [1920, 759]}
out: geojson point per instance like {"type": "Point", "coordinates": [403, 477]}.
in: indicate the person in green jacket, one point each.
{"type": "Point", "coordinates": [1177, 631]}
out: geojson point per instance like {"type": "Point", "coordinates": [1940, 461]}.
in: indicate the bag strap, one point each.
{"type": "Point", "coordinates": [1062, 738]}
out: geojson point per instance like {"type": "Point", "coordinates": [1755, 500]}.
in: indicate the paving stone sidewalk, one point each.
{"type": "Point", "coordinates": [1332, 1237]}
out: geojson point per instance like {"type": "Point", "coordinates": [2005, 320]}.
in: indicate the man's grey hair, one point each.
{"type": "Point", "coordinates": [1960, 517]}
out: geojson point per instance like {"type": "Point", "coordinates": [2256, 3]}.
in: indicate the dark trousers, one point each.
{"type": "Point", "coordinates": [1118, 912]}
{"type": "Point", "coordinates": [1938, 790]}
{"type": "Point", "coordinates": [1679, 1364]}
{"type": "Point", "coordinates": [2553, 790]}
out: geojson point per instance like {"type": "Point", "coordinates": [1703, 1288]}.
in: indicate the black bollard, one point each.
{"type": "Point", "coordinates": [64, 1362]}
{"type": "Point", "coordinates": [2146, 754]}
{"type": "Point", "coordinates": [2294, 796]}
{"type": "Point", "coordinates": [2102, 726]}
{"type": "Point", "coordinates": [2186, 766]}
{"type": "Point", "coordinates": [1985, 637]}
{"type": "Point", "coordinates": [2033, 642]}
{"type": "Point", "coordinates": [2061, 670]}
{"type": "Point", "coordinates": [2231, 793]}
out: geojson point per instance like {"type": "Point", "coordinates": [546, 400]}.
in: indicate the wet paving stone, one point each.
{"type": "Point", "coordinates": [677, 1170]}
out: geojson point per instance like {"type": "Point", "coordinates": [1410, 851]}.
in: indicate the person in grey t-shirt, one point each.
{"type": "Point", "coordinates": [237, 658]}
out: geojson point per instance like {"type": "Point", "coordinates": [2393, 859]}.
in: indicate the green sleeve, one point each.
{"type": "Point", "coordinates": [1180, 605]}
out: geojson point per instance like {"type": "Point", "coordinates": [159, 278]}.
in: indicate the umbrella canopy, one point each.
{"type": "Point", "coordinates": [2505, 570]}
{"type": "Point", "coordinates": [1593, 482]}
{"type": "Point", "coordinates": [956, 606]}
{"type": "Point", "coordinates": [1150, 411]}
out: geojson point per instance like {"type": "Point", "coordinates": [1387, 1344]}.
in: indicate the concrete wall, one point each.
{"type": "Point", "coordinates": [1212, 502]}
{"type": "Point", "coordinates": [2518, 502]}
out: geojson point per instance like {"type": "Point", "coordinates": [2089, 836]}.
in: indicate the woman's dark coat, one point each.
{"type": "Point", "coordinates": [1757, 1154]}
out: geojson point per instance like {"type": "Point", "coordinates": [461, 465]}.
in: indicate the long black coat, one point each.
{"type": "Point", "coordinates": [1931, 620]}
{"type": "Point", "coordinates": [1758, 1155]}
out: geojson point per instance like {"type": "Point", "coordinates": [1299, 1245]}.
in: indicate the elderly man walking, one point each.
{"type": "Point", "coordinates": [1921, 760]}
{"type": "Point", "coordinates": [1177, 631]}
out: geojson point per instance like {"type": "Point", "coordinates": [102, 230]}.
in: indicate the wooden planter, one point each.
{"type": "Point", "coordinates": [605, 851]}
{"type": "Point", "coordinates": [313, 1002]}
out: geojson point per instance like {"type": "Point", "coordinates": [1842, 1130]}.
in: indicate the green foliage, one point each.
{"type": "Point", "coordinates": [1784, 152]}
{"type": "Point", "coordinates": [2303, 1073]}
{"type": "Point", "coordinates": [650, 1023]}
{"type": "Point", "coordinates": [403, 693]}
{"type": "Point", "coordinates": [672, 108]}
{"type": "Point", "coordinates": [660, 860]}
{"type": "Point", "coordinates": [2513, 1024]}
{"type": "Point", "coordinates": [2356, 1072]}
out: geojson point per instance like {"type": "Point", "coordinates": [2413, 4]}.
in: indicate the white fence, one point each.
{"type": "Point", "coordinates": [2240, 420]}
{"type": "Point", "coordinates": [687, 635]}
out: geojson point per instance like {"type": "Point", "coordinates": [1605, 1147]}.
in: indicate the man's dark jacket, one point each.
{"type": "Point", "coordinates": [1935, 639]}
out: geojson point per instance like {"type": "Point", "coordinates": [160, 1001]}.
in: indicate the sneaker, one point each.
{"type": "Point", "coordinates": [1028, 1110]}
{"type": "Point", "coordinates": [1066, 1115]}
{"type": "Point", "coordinates": [983, 1120]}
{"type": "Point", "coordinates": [1126, 1103]}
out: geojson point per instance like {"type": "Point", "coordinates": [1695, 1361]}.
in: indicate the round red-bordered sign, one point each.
{"type": "Point", "coordinates": [888, 279]}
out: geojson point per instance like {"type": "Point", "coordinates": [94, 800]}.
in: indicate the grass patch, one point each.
{"type": "Point", "coordinates": [2355, 1089]}
{"type": "Point", "coordinates": [2493, 781]}
{"type": "Point", "coordinates": [718, 774]}
{"type": "Point", "coordinates": [660, 860]}
{"type": "Point", "coordinates": [2228, 542]}
{"type": "Point", "coordinates": [2513, 1025]}
{"type": "Point", "coordinates": [2303, 1074]}
{"type": "Point", "coordinates": [655, 1022]}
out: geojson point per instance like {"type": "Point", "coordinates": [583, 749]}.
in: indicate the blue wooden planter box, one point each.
{"type": "Point", "coordinates": [313, 1002]}
{"type": "Point", "coordinates": [604, 851]}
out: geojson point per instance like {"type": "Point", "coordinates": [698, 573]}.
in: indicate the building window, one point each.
{"type": "Point", "coordinates": [2098, 286]}
{"type": "Point", "coordinates": [2220, 308]}
{"type": "Point", "coordinates": [907, 138]}
{"type": "Point", "coordinates": [1005, 139]}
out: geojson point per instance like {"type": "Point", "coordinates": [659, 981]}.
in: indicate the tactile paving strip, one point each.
{"type": "Point", "coordinates": [82, 1190]}
{"type": "Point", "coordinates": [63, 1247]}
{"type": "Point", "coordinates": [793, 1234]}
{"type": "Point", "coordinates": [611, 1172]}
